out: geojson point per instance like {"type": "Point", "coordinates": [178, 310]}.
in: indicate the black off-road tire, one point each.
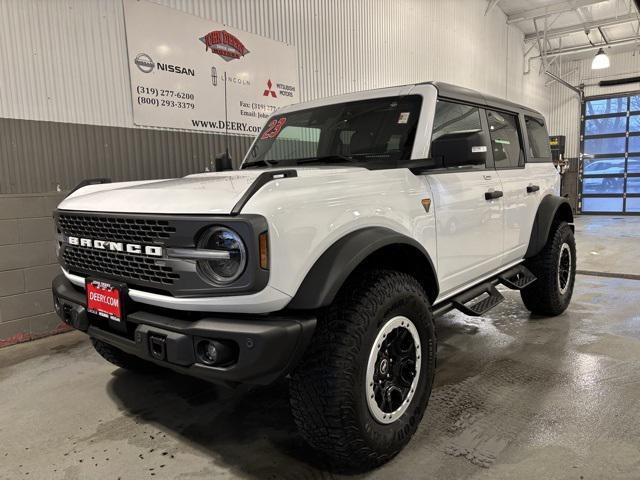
{"type": "Point", "coordinates": [545, 296]}
{"type": "Point", "coordinates": [122, 359]}
{"type": "Point", "coordinates": [328, 389]}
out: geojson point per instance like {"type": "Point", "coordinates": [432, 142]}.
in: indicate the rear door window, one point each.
{"type": "Point", "coordinates": [539, 148]}
{"type": "Point", "coordinates": [506, 143]}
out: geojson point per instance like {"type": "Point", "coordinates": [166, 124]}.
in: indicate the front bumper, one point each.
{"type": "Point", "coordinates": [266, 347]}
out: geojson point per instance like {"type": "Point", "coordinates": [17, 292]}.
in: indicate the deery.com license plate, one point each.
{"type": "Point", "coordinates": [104, 299]}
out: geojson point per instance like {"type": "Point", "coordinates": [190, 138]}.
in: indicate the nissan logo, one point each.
{"type": "Point", "coordinates": [144, 62]}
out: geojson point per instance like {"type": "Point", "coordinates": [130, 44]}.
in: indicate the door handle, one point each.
{"type": "Point", "coordinates": [493, 195]}
{"type": "Point", "coordinates": [532, 188]}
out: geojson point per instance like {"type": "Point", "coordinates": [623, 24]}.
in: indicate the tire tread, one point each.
{"type": "Point", "coordinates": [321, 387]}
{"type": "Point", "coordinates": [542, 296]}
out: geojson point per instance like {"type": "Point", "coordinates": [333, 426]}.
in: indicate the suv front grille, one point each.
{"type": "Point", "coordinates": [166, 275]}
{"type": "Point", "coordinates": [134, 230]}
{"type": "Point", "coordinates": [121, 265]}
{"type": "Point", "coordinates": [136, 269]}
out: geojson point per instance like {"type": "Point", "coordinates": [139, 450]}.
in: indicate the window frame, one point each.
{"type": "Point", "coordinates": [519, 126]}
{"type": "Point", "coordinates": [530, 158]}
{"type": "Point", "coordinates": [488, 164]}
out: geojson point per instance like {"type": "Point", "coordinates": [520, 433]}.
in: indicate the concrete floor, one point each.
{"type": "Point", "coordinates": [609, 244]}
{"type": "Point", "coordinates": [515, 397]}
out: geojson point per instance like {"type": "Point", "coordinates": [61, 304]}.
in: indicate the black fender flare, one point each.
{"type": "Point", "coordinates": [325, 278]}
{"type": "Point", "coordinates": [550, 208]}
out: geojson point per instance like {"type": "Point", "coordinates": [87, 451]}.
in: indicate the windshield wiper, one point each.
{"type": "Point", "coordinates": [336, 158]}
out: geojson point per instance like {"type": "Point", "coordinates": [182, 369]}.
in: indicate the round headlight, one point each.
{"type": "Point", "coordinates": [233, 256]}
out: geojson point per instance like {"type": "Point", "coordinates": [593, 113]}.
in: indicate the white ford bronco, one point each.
{"type": "Point", "coordinates": [352, 223]}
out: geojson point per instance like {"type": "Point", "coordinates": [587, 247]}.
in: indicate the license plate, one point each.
{"type": "Point", "coordinates": [105, 299]}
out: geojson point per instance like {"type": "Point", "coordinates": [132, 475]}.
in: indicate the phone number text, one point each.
{"type": "Point", "coordinates": [163, 93]}
{"type": "Point", "coordinates": [163, 103]}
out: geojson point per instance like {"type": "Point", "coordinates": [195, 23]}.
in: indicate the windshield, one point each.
{"type": "Point", "coordinates": [366, 130]}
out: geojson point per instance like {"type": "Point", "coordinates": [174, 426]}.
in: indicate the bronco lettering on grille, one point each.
{"type": "Point", "coordinates": [134, 248]}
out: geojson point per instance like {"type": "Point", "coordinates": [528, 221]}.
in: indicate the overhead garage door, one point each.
{"type": "Point", "coordinates": [610, 143]}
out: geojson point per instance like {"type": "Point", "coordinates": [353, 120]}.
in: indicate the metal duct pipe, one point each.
{"type": "Point", "coordinates": [565, 83]}
{"type": "Point", "coordinates": [618, 81]}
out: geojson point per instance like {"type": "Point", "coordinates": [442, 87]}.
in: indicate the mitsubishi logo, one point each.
{"type": "Point", "coordinates": [269, 90]}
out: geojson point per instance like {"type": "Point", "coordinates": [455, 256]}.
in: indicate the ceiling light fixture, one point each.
{"type": "Point", "coordinates": [600, 61]}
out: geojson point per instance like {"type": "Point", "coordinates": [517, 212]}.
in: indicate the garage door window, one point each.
{"type": "Point", "coordinates": [610, 170]}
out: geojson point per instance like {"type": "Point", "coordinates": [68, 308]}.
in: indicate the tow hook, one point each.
{"type": "Point", "coordinates": [157, 347]}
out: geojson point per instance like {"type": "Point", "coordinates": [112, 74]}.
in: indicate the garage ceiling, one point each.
{"type": "Point", "coordinates": [574, 27]}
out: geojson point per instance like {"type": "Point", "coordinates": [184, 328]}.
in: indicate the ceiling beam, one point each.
{"type": "Point", "coordinates": [492, 3]}
{"type": "Point", "coordinates": [583, 13]}
{"type": "Point", "coordinates": [587, 48]}
{"type": "Point", "coordinates": [607, 22]}
{"type": "Point", "coordinates": [560, 7]}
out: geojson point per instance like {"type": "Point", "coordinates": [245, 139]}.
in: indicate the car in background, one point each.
{"type": "Point", "coordinates": [607, 175]}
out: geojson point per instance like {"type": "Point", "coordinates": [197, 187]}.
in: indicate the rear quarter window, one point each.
{"type": "Point", "coordinates": [539, 149]}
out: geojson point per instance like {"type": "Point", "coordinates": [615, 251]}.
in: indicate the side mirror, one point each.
{"type": "Point", "coordinates": [424, 165]}
{"type": "Point", "coordinates": [223, 162]}
{"type": "Point", "coordinates": [459, 149]}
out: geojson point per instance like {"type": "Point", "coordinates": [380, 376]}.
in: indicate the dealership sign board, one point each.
{"type": "Point", "coordinates": [191, 73]}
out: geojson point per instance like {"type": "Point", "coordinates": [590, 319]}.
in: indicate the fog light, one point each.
{"type": "Point", "coordinates": [210, 353]}
{"type": "Point", "coordinates": [215, 353]}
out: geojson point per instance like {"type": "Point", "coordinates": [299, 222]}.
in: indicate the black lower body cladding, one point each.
{"type": "Point", "coordinates": [264, 347]}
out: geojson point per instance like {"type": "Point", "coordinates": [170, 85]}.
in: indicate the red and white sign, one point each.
{"type": "Point", "coordinates": [224, 44]}
{"type": "Point", "coordinates": [103, 299]}
{"type": "Point", "coordinates": [188, 72]}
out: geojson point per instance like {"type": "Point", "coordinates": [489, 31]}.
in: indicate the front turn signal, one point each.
{"type": "Point", "coordinates": [264, 250]}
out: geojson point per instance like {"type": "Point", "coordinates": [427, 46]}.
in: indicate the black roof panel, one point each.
{"type": "Point", "coordinates": [454, 92]}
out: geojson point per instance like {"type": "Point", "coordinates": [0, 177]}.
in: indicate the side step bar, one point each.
{"type": "Point", "coordinates": [483, 297]}
{"type": "Point", "coordinates": [489, 298]}
{"type": "Point", "coordinates": [517, 278]}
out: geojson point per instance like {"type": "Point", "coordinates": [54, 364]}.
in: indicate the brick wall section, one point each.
{"type": "Point", "coordinates": [27, 266]}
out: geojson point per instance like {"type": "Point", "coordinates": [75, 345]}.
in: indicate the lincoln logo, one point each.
{"type": "Point", "coordinates": [134, 248]}
{"type": "Point", "coordinates": [224, 44]}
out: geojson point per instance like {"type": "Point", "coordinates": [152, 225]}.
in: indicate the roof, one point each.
{"type": "Point", "coordinates": [454, 92]}
{"type": "Point", "coordinates": [445, 90]}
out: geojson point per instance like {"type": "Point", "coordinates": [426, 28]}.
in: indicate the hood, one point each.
{"type": "Point", "coordinates": [204, 193]}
